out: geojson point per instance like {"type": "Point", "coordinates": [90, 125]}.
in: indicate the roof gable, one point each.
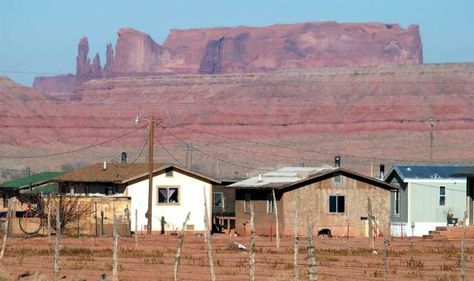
{"type": "Point", "coordinates": [125, 173]}
{"type": "Point", "coordinates": [321, 175]}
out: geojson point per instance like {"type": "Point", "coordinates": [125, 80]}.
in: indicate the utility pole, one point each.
{"type": "Point", "coordinates": [151, 124]}
{"type": "Point", "coordinates": [189, 155]}
{"type": "Point", "coordinates": [432, 123]}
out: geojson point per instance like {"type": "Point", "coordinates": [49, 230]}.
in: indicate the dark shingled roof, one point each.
{"type": "Point", "coordinates": [123, 173]}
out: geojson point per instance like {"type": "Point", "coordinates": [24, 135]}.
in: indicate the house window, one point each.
{"type": "Point", "coordinates": [337, 204]}
{"type": "Point", "coordinates": [169, 173]}
{"type": "Point", "coordinates": [396, 203]}
{"type": "Point", "coordinates": [270, 203]}
{"type": "Point", "coordinates": [337, 179]}
{"type": "Point", "coordinates": [5, 201]}
{"type": "Point", "coordinates": [247, 203]}
{"type": "Point", "coordinates": [218, 200]}
{"type": "Point", "coordinates": [442, 195]}
{"type": "Point", "coordinates": [168, 195]}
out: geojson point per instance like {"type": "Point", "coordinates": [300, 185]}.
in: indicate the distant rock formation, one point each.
{"type": "Point", "coordinates": [252, 49]}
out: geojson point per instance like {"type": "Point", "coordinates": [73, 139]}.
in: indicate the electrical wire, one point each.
{"type": "Point", "coordinates": [168, 152]}
{"type": "Point", "coordinates": [215, 157]}
{"type": "Point", "coordinates": [70, 151]}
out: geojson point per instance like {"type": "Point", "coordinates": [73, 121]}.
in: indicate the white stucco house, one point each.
{"type": "Point", "coordinates": [176, 191]}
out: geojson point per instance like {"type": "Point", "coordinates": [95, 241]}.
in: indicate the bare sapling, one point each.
{"type": "Point", "coordinates": [277, 230]}
{"type": "Point", "coordinates": [5, 229]}
{"type": "Point", "coordinates": [369, 220]}
{"type": "Point", "coordinates": [115, 247]}
{"type": "Point", "coordinates": [57, 247]}
{"type": "Point", "coordinates": [252, 244]}
{"type": "Point", "coordinates": [48, 226]}
{"type": "Point", "coordinates": [385, 241]}
{"type": "Point", "coordinates": [180, 246]}
{"type": "Point", "coordinates": [136, 228]}
{"type": "Point", "coordinates": [207, 236]}
{"type": "Point", "coordinates": [312, 267]}
{"type": "Point", "coordinates": [462, 261]}
{"type": "Point", "coordinates": [296, 237]}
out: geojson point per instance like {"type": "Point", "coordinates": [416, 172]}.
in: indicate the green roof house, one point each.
{"type": "Point", "coordinates": [35, 184]}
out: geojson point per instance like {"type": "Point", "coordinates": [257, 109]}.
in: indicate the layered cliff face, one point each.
{"type": "Point", "coordinates": [251, 49]}
{"type": "Point", "coordinates": [381, 112]}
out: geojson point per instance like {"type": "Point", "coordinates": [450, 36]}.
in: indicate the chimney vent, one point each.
{"type": "Point", "coordinates": [337, 161]}
{"type": "Point", "coordinates": [382, 171]}
{"type": "Point", "coordinates": [124, 158]}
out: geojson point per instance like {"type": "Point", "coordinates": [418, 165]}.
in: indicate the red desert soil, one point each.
{"type": "Point", "coordinates": [153, 258]}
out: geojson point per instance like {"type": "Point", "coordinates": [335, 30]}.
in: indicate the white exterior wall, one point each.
{"type": "Point", "coordinates": [191, 199]}
{"type": "Point", "coordinates": [420, 229]}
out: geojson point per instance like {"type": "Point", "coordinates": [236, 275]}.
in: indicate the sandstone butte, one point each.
{"type": "Point", "coordinates": [374, 107]}
{"type": "Point", "coordinates": [376, 114]}
{"type": "Point", "coordinates": [245, 50]}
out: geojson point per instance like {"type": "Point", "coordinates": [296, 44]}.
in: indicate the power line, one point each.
{"type": "Point", "coordinates": [309, 150]}
{"type": "Point", "coordinates": [169, 153]}
{"type": "Point", "coordinates": [217, 158]}
{"type": "Point", "coordinates": [141, 151]}
{"type": "Point", "coordinates": [70, 151]}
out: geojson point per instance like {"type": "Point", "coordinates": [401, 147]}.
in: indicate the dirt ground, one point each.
{"type": "Point", "coordinates": [153, 258]}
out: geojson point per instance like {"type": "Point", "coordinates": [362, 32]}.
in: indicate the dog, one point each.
{"type": "Point", "coordinates": [325, 232]}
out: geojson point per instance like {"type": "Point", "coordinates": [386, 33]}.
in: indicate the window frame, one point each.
{"type": "Point", "coordinates": [222, 200]}
{"type": "Point", "coordinates": [396, 203]}
{"type": "Point", "coordinates": [337, 211]}
{"type": "Point", "coordinates": [270, 203]}
{"type": "Point", "coordinates": [178, 189]}
{"type": "Point", "coordinates": [247, 200]}
{"type": "Point", "coordinates": [442, 195]}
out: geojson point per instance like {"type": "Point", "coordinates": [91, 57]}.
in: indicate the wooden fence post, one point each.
{"type": "Point", "coordinates": [295, 245]}
{"type": "Point", "coordinates": [252, 244]}
{"type": "Point", "coordinates": [180, 246]}
{"type": "Point", "coordinates": [136, 228]}
{"type": "Point", "coordinates": [277, 231]}
{"type": "Point", "coordinates": [369, 219]}
{"type": "Point", "coordinates": [58, 239]}
{"type": "Point", "coordinates": [115, 248]}
{"type": "Point", "coordinates": [5, 229]}
{"type": "Point", "coordinates": [462, 261]}
{"type": "Point", "coordinates": [312, 267]}
{"type": "Point", "coordinates": [48, 227]}
{"type": "Point", "coordinates": [207, 235]}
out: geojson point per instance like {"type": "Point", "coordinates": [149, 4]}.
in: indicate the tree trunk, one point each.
{"type": "Point", "coordinates": [49, 218]}
{"type": "Point", "coordinates": [369, 218]}
{"type": "Point", "coordinates": [207, 235]}
{"type": "Point", "coordinates": [180, 246]}
{"type": "Point", "coordinates": [312, 267]}
{"type": "Point", "coordinates": [295, 245]}
{"type": "Point", "coordinates": [58, 239]}
{"type": "Point", "coordinates": [252, 245]}
{"type": "Point", "coordinates": [462, 261]}
{"type": "Point", "coordinates": [276, 221]}
{"type": "Point", "coordinates": [4, 242]}
{"type": "Point", "coordinates": [115, 248]}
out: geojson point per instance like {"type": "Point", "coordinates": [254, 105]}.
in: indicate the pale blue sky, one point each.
{"type": "Point", "coordinates": [42, 36]}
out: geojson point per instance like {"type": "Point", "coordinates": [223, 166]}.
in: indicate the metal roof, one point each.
{"type": "Point", "coordinates": [288, 178]}
{"type": "Point", "coordinates": [29, 181]}
{"type": "Point", "coordinates": [432, 171]}
{"type": "Point", "coordinates": [280, 177]}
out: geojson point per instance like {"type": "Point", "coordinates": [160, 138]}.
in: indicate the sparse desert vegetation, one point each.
{"type": "Point", "coordinates": [153, 259]}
